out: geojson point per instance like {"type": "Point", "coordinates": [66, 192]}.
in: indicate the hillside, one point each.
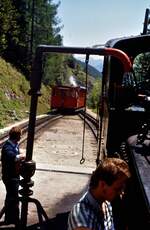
{"type": "Point", "coordinates": [91, 70]}
{"type": "Point", "coordinates": [14, 98]}
{"type": "Point", "coordinates": [14, 88]}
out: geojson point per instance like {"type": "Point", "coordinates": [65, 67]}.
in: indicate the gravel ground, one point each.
{"type": "Point", "coordinates": [62, 144]}
{"type": "Point", "coordinates": [60, 179]}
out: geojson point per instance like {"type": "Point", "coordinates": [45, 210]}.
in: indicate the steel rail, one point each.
{"type": "Point", "coordinates": [91, 122]}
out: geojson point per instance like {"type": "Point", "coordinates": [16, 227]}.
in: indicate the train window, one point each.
{"type": "Point", "coordinates": [67, 93]}
{"type": "Point", "coordinates": [58, 93]}
{"type": "Point", "coordinates": [77, 95]}
{"type": "Point", "coordinates": [124, 95]}
{"type": "Point", "coordinates": [73, 93]}
{"type": "Point", "coordinates": [141, 66]}
{"type": "Point", "coordinates": [53, 92]}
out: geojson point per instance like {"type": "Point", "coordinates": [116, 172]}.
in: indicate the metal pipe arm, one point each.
{"type": "Point", "coordinates": [36, 77]}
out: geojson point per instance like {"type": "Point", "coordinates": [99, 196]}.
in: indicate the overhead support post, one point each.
{"type": "Point", "coordinates": [146, 29]}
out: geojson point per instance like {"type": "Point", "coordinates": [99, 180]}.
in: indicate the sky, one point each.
{"type": "Point", "coordinates": [87, 23]}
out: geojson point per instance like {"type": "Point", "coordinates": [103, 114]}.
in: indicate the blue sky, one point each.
{"type": "Point", "coordinates": [92, 22]}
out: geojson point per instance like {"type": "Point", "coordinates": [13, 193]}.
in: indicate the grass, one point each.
{"type": "Point", "coordinates": [14, 98]}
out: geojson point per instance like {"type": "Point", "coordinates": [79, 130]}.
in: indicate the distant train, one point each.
{"type": "Point", "coordinates": [68, 98]}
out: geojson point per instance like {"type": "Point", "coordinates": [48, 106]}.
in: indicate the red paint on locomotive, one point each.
{"type": "Point", "coordinates": [68, 97]}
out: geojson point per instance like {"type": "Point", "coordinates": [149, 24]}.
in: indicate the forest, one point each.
{"type": "Point", "coordinates": [27, 23]}
{"type": "Point", "coordinates": [24, 25]}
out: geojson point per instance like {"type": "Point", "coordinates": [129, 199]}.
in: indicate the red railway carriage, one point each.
{"type": "Point", "coordinates": [68, 97]}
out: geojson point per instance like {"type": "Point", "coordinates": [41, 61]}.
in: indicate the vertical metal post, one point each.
{"type": "Point", "coordinates": [146, 21]}
{"type": "Point", "coordinates": [32, 29]}
{"type": "Point", "coordinates": [29, 166]}
{"type": "Point", "coordinates": [35, 84]}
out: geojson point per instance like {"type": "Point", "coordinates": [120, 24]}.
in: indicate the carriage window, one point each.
{"type": "Point", "coordinates": [73, 93]}
{"type": "Point", "coordinates": [67, 93]}
{"type": "Point", "coordinates": [141, 66]}
{"type": "Point", "coordinates": [56, 92]}
{"type": "Point", "coordinates": [53, 92]}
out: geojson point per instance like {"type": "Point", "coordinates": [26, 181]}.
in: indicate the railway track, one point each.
{"type": "Point", "coordinates": [91, 122]}
{"type": "Point", "coordinates": [44, 122]}
{"type": "Point", "coordinates": [59, 177]}
{"type": "Point", "coordinates": [41, 122]}
{"type": "Point", "coordinates": [66, 139]}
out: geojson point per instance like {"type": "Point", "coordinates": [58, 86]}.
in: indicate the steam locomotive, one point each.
{"type": "Point", "coordinates": [68, 98]}
{"type": "Point", "coordinates": [125, 121]}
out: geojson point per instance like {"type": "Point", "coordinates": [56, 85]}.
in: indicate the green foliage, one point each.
{"type": "Point", "coordinates": [8, 24]}
{"type": "Point", "coordinates": [58, 68]}
{"type": "Point", "coordinates": [94, 96]}
{"type": "Point", "coordinates": [45, 29]}
{"type": "Point", "coordinates": [24, 25]}
{"type": "Point", "coordinates": [53, 69]}
{"type": "Point", "coordinates": [14, 98]}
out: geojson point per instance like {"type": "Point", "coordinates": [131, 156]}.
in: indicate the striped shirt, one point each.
{"type": "Point", "coordinates": [87, 213]}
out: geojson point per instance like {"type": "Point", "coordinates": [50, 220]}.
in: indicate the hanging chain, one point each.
{"type": "Point", "coordinates": [83, 139]}
{"type": "Point", "coordinates": [100, 126]}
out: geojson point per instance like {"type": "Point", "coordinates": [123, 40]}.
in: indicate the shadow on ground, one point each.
{"type": "Point", "coordinates": [57, 223]}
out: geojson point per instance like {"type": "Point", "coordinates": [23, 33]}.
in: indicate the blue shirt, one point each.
{"type": "Point", "coordinates": [88, 213]}
{"type": "Point", "coordinates": [8, 157]}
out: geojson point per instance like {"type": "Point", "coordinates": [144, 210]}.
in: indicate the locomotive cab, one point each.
{"type": "Point", "coordinates": [126, 109]}
{"type": "Point", "coordinates": [122, 94]}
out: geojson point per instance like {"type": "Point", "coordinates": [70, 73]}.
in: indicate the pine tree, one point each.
{"type": "Point", "coordinates": [24, 25]}
{"type": "Point", "coordinates": [8, 24]}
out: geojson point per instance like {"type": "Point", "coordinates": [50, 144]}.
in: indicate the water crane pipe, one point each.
{"type": "Point", "coordinates": [36, 77]}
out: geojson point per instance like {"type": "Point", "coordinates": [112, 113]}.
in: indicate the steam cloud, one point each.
{"type": "Point", "coordinates": [72, 81]}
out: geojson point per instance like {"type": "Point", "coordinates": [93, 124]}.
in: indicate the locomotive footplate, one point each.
{"type": "Point", "coordinates": [139, 152]}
